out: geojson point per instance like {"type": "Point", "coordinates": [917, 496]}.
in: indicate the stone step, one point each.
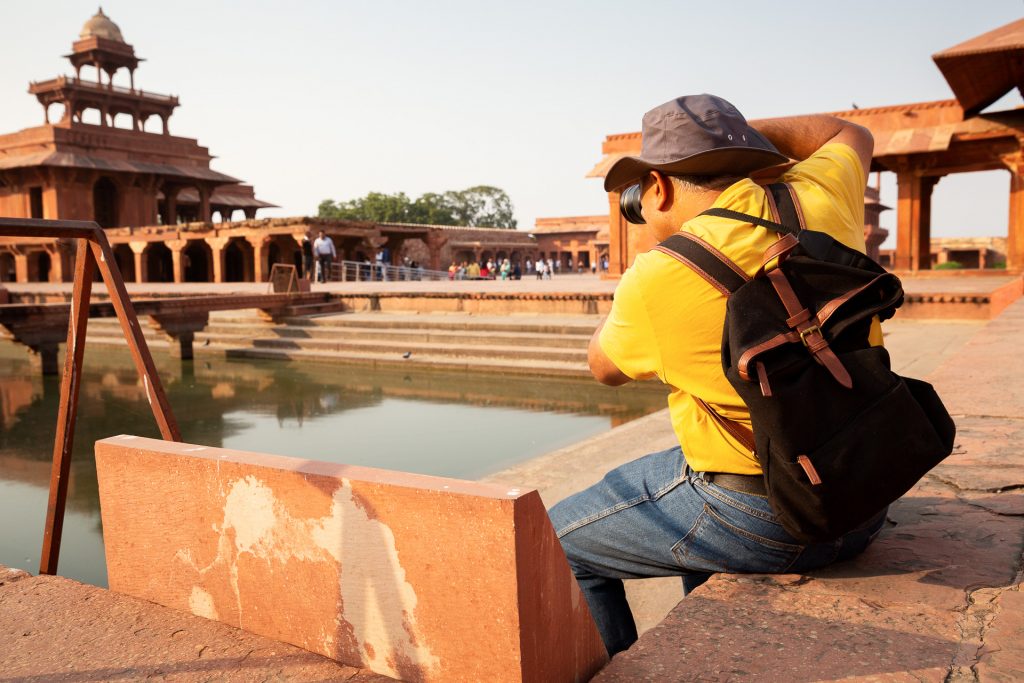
{"type": "Point", "coordinates": [402, 335]}
{"type": "Point", "coordinates": [418, 347]}
{"type": "Point", "coordinates": [537, 324]}
{"type": "Point", "coordinates": [217, 330]}
{"type": "Point", "coordinates": [518, 366]}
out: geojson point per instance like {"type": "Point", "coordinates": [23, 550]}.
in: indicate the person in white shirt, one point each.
{"type": "Point", "coordinates": [323, 248]}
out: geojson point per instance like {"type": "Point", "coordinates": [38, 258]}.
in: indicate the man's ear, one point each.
{"type": "Point", "coordinates": [663, 190]}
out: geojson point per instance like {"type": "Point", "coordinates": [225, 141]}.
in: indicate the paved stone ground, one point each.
{"type": "Point", "coordinates": [936, 598]}
{"type": "Point", "coordinates": [53, 629]}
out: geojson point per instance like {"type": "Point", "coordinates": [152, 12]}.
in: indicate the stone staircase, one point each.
{"type": "Point", "coordinates": [553, 345]}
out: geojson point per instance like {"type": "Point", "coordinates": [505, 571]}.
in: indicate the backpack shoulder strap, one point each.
{"type": "Point", "coordinates": [784, 207]}
{"type": "Point", "coordinates": [711, 264]}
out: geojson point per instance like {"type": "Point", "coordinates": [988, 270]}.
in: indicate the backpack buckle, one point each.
{"type": "Point", "coordinates": [810, 330]}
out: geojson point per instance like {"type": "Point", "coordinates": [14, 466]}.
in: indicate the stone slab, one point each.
{"type": "Point", "coordinates": [56, 630]}
{"type": "Point", "coordinates": [415, 577]}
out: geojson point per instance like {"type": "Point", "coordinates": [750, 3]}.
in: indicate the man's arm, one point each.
{"type": "Point", "coordinates": [601, 366]}
{"type": "Point", "coordinates": [799, 137]}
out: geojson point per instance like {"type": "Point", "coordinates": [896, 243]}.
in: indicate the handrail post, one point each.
{"type": "Point", "coordinates": [67, 411]}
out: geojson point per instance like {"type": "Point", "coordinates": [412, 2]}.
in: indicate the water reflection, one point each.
{"type": "Point", "coordinates": [459, 425]}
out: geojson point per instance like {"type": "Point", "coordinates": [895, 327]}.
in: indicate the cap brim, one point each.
{"type": "Point", "coordinates": [713, 162]}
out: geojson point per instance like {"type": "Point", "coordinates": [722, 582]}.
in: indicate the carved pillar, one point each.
{"type": "Point", "coordinates": [435, 241]}
{"type": "Point", "coordinates": [217, 245]}
{"type": "Point", "coordinates": [204, 204]}
{"type": "Point", "coordinates": [177, 258]}
{"type": "Point", "coordinates": [171, 204]}
{"type": "Point", "coordinates": [913, 221]}
{"type": "Point", "coordinates": [260, 247]}
{"type": "Point", "coordinates": [1015, 230]}
{"type": "Point", "coordinates": [141, 270]}
{"type": "Point", "coordinates": [618, 256]}
{"type": "Point", "coordinates": [20, 267]}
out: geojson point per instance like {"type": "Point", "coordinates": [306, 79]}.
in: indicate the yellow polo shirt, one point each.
{"type": "Point", "coordinates": [666, 321]}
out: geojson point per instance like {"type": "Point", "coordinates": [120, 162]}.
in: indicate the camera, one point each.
{"type": "Point", "coordinates": [629, 205]}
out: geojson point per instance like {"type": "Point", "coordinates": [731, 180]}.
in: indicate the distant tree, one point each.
{"type": "Point", "coordinates": [482, 206]}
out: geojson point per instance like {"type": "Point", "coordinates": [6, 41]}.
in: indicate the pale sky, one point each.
{"type": "Point", "coordinates": [315, 100]}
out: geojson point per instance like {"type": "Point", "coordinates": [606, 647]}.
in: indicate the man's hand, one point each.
{"type": "Point", "coordinates": [799, 137]}
{"type": "Point", "coordinates": [601, 366]}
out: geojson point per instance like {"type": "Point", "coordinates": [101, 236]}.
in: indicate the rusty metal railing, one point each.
{"type": "Point", "coordinates": [93, 252]}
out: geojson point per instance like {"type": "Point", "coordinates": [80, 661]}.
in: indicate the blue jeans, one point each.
{"type": "Point", "coordinates": [655, 516]}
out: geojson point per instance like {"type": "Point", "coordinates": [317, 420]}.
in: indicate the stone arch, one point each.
{"type": "Point", "coordinates": [124, 257]}
{"type": "Point", "coordinates": [8, 271]}
{"type": "Point", "coordinates": [197, 265]}
{"type": "Point", "coordinates": [238, 261]}
{"type": "Point", "coordinates": [105, 203]}
{"type": "Point", "coordinates": [159, 262]}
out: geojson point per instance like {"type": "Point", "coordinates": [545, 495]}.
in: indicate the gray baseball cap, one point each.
{"type": "Point", "coordinates": [695, 135]}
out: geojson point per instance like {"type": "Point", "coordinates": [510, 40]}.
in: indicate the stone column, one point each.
{"type": "Point", "coordinates": [1015, 230]}
{"type": "Point", "coordinates": [141, 270]}
{"type": "Point", "coordinates": [913, 221]}
{"type": "Point", "coordinates": [204, 204]}
{"type": "Point", "coordinates": [171, 204]}
{"type": "Point", "coordinates": [217, 245]}
{"type": "Point", "coordinates": [618, 256]}
{"type": "Point", "coordinates": [435, 241]}
{"type": "Point", "coordinates": [20, 267]}
{"type": "Point", "coordinates": [176, 247]}
{"type": "Point", "coordinates": [260, 247]}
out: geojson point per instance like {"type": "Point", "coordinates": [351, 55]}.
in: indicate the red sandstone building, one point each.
{"type": "Point", "coordinates": [919, 142]}
{"type": "Point", "coordinates": [105, 153]}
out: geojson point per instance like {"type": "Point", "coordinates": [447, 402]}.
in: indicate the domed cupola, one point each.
{"type": "Point", "coordinates": [100, 26]}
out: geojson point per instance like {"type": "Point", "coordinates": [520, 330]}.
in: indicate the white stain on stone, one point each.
{"type": "Point", "coordinates": [377, 601]}
{"type": "Point", "coordinates": [201, 603]}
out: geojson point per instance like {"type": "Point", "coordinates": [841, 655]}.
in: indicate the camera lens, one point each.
{"type": "Point", "coordinates": [629, 205]}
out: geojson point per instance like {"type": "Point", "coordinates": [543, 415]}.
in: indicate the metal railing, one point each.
{"type": "Point", "coordinates": [93, 252]}
{"type": "Point", "coordinates": [363, 271]}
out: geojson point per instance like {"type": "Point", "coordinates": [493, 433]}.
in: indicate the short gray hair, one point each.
{"type": "Point", "coordinates": [703, 183]}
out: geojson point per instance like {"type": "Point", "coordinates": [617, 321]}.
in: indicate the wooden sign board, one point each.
{"type": "Point", "coordinates": [284, 279]}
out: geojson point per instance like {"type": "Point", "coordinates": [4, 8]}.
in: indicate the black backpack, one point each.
{"type": "Point", "coordinates": [838, 435]}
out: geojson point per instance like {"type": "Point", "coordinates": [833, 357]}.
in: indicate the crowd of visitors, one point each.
{"type": "Point", "coordinates": [320, 254]}
{"type": "Point", "coordinates": [505, 269]}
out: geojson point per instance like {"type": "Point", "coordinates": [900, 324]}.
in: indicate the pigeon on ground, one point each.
{"type": "Point", "coordinates": [407, 354]}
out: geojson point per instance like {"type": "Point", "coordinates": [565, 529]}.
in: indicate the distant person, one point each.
{"type": "Point", "coordinates": [540, 269]}
{"type": "Point", "coordinates": [452, 270]}
{"type": "Point", "coordinates": [505, 270]}
{"type": "Point", "coordinates": [517, 271]}
{"type": "Point", "coordinates": [529, 267]}
{"type": "Point", "coordinates": [325, 252]}
{"type": "Point", "coordinates": [473, 270]}
{"type": "Point", "coordinates": [549, 271]}
{"type": "Point", "coordinates": [307, 257]}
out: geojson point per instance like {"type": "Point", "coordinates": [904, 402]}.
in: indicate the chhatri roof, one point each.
{"type": "Point", "coordinates": [984, 68]}
{"type": "Point", "coordinates": [100, 26]}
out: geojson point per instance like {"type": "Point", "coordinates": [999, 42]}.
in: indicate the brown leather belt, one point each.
{"type": "Point", "coordinates": [741, 483]}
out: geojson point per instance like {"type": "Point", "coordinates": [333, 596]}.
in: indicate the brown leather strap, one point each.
{"type": "Point", "coordinates": [780, 250]}
{"type": "Point", "coordinates": [743, 364]}
{"type": "Point", "coordinates": [809, 330]}
{"type": "Point", "coordinates": [739, 432]}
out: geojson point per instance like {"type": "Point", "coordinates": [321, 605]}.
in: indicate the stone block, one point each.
{"type": "Point", "coordinates": [414, 577]}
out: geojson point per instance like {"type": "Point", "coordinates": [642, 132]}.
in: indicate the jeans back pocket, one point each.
{"type": "Point", "coordinates": [715, 545]}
